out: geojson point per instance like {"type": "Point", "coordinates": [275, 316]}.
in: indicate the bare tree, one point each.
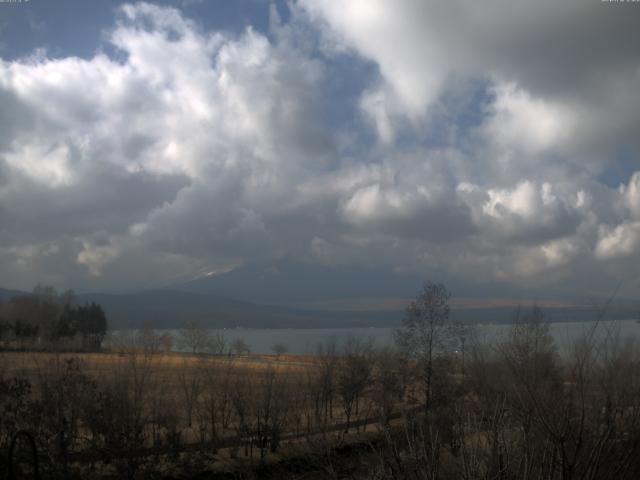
{"type": "Point", "coordinates": [148, 339]}
{"type": "Point", "coordinates": [324, 382]}
{"type": "Point", "coordinates": [214, 407]}
{"type": "Point", "coordinates": [194, 337]}
{"type": "Point", "coordinates": [270, 410]}
{"type": "Point", "coordinates": [240, 347]}
{"type": "Point", "coordinates": [166, 342]}
{"type": "Point", "coordinates": [121, 413]}
{"type": "Point", "coordinates": [388, 382]}
{"type": "Point", "coordinates": [427, 333]}
{"type": "Point", "coordinates": [354, 375]}
{"type": "Point", "coordinates": [65, 393]}
{"type": "Point", "coordinates": [241, 400]}
{"type": "Point", "coordinates": [279, 349]}
{"type": "Point", "coordinates": [191, 383]}
{"type": "Point", "coordinates": [217, 343]}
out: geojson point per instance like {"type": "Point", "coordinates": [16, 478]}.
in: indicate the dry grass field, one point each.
{"type": "Point", "coordinates": [24, 363]}
{"type": "Point", "coordinates": [229, 410]}
{"type": "Point", "coordinates": [181, 377]}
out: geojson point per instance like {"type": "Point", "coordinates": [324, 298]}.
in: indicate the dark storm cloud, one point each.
{"type": "Point", "coordinates": [107, 200]}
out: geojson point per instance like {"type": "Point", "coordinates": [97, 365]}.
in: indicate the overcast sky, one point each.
{"type": "Point", "coordinates": [488, 143]}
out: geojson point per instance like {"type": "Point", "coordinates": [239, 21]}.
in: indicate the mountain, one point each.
{"type": "Point", "coordinates": [289, 283]}
{"type": "Point", "coordinates": [168, 308]}
{"type": "Point", "coordinates": [171, 309]}
{"type": "Point", "coordinates": [286, 294]}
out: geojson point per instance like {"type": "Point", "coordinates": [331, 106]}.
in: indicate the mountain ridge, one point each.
{"type": "Point", "coordinates": [287, 294]}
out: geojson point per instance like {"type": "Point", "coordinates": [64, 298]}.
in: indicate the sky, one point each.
{"type": "Point", "coordinates": [492, 144]}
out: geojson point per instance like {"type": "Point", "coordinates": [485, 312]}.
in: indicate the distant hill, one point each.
{"type": "Point", "coordinates": [288, 295]}
{"type": "Point", "coordinates": [7, 294]}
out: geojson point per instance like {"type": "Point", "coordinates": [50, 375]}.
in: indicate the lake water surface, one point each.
{"type": "Point", "coordinates": [306, 341]}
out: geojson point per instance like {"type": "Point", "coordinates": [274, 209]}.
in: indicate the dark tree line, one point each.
{"type": "Point", "coordinates": [45, 317]}
{"type": "Point", "coordinates": [89, 321]}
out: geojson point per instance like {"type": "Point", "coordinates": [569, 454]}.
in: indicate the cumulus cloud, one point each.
{"type": "Point", "coordinates": [183, 141]}
{"type": "Point", "coordinates": [620, 241]}
{"type": "Point", "coordinates": [187, 150]}
{"type": "Point", "coordinates": [631, 195]}
{"type": "Point", "coordinates": [519, 123]}
{"type": "Point", "coordinates": [529, 213]}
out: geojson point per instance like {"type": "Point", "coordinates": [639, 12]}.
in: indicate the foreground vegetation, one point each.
{"type": "Point", "coordinates": [441, 405]}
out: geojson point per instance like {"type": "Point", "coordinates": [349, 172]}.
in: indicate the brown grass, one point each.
{"type": "Point", "coordinates": [27, 363]}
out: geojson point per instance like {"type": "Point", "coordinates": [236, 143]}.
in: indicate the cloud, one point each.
{"type": "Point", "coordinates": [528, 213]}
{"type": "Point", "coordinates": [96, 256]}
{"type": "Point", "coordinates": [620, 241]}
{"type": "Point", "coordinates": [474, 151]}
{"type": "Point", "coordinates": [571, 65]}
{"type": "Point", "coordinates": [519, 123]}
{"type": "Point", "coordinates": [184, 142]}
{"type": "Point", "coordinates": [631, 196]}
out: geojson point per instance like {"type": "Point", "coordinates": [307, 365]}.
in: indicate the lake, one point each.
{"type": "Point", "coordinates": [305, 341]}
